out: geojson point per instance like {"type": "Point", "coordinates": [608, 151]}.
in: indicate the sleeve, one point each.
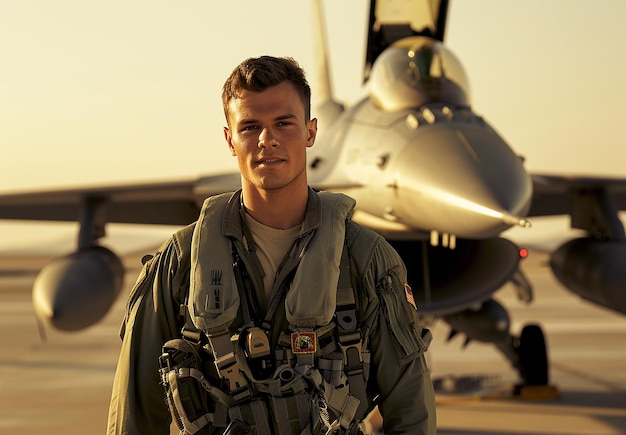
{"type": "Point", "coordinates": [398, 342]}
{"type": "Point", "coordinates": [138, 400]}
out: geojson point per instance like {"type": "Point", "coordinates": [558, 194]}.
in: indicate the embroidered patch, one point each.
{"type": "Point", "coordinates": [303, 342]}
{"type": "Point", "coordinates": [408, 291]}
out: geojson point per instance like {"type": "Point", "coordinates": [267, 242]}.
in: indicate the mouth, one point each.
{"type": "Point", "coordinates": [270, 161]}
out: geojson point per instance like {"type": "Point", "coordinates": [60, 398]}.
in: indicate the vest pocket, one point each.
{"type": "Point", "coordinates": [190, 397]}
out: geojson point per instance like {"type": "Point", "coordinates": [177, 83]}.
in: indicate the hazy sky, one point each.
{"type": "Point", "coordinates": [106, 91]}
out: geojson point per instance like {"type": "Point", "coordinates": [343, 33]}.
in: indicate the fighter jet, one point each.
{"type": "Point", "coordinates": [427, 172]}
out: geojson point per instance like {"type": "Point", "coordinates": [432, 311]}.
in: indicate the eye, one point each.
{"type": "Point", "coordinates": [249, 127]}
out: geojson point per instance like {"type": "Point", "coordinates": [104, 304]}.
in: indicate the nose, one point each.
{"type": "Point", "coordinates": [267, 138]}
{"type": "Point", "coordinates": [468, 183]}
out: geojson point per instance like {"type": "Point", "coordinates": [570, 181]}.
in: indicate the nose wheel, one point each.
{"type": "Point", "coordinates": [533, 356]}
{"type": "Point", "coordinates": [532, 364]}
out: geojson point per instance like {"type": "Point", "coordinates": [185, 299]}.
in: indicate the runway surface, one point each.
{"type": "Point", "coordinates": [63, 386]}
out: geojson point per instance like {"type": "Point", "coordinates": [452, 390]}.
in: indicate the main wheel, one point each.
{"type": "Point", "coordinates": [533, 356]}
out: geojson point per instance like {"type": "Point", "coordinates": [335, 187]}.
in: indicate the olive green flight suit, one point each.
{"type": "Point", "coordinates": [398, 374]}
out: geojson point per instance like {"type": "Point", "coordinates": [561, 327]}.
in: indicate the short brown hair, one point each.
{"type": "Point", "coordinates": [256, 74]}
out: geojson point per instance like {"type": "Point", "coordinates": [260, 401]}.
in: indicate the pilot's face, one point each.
{"type": "Point", "coordinates": [269, 134]}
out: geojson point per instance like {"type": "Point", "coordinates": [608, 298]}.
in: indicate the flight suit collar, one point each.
{"type": "Point", "coordinates": [232, 226]}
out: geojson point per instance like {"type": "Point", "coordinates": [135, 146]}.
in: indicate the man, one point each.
{"type": "Point", "coordinates": [286, 327]}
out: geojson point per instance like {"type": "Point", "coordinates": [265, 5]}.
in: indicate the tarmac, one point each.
{"type": "Point", "coordinates": [63, 385]}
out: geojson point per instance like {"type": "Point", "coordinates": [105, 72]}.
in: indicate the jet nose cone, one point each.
{"type": "Point", "coordinates": [463, 179]}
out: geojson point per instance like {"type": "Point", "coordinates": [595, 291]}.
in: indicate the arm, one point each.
{"type": "Point", "coordinates": [137, 401]}
{"type": "Point", "coordinates": [400, 374]}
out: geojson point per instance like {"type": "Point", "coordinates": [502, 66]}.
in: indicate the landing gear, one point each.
{"type": "Point", "coordinates": [490, 324]}
{"type": "Point", "coordinates": [527, 352]}
{"type": "Point", "coordinates": [532, 364]}
{"type": "Point", "coordinates": [533, 356]}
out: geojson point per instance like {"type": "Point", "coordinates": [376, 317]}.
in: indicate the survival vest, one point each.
{"type": "Point", "coordinates": [309, 378]}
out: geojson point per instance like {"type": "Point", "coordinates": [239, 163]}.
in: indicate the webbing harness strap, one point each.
{"type": "Point", "coordinates": [343, 404]}
{"type": "Point", "coordinates": [222, 401]}
{"type": "Point", "coordinates": [174, 396]}
{"type": "Point", "coordinates": [350, 339]}
{"type": "Point", "coordinates": [217, 394]}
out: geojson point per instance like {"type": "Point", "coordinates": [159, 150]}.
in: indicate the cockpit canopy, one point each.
{"type": "Point", "coordinates": [415, 71]}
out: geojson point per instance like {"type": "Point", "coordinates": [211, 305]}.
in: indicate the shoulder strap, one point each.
{"type": "Point", "coordinates": [182, 241]}
{"type": "Point", "coordinates": [349, 333]}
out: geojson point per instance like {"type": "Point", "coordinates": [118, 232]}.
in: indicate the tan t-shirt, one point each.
{"type": "Point", "coordinates": [272, 246]}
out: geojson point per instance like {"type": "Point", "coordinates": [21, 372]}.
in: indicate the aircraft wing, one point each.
{"type": "Point", "coordinates": [174, 202]}
{"type": "Point", "coordinates": [167, 202]}
{"type": "Point", "coordinates": [568, 194]}
{"type": "Point", "coordinates": [553, 194]}
{"type": "Point", "coordinates": [592, 202]}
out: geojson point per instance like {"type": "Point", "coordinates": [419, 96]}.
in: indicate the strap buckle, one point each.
{"type": "Point", "coordinates": [351, 346]}
{"type": "Point", "coordinates": [229, 367]}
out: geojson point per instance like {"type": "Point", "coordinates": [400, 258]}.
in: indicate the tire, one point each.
{"type": "Point", "coordinates": [533, 356]}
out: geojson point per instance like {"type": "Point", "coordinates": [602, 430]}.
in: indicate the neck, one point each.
{"type": "Point", "coordinates": [278, 209]}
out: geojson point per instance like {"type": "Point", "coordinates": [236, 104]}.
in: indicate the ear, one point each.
{"type": "Point", "coordinates": [311, 132]}
{"type": "Point", "coordinates": [229, 141]}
